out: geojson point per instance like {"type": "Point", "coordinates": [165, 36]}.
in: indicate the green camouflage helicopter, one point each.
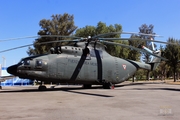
{"type": "Point", "coordinates": [86, 63]}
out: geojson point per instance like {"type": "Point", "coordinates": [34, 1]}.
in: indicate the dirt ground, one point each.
{"type": "Point", "coordinates": [137, 101]}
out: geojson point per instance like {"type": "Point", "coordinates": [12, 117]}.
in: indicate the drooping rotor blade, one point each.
{"type": "Point", "coordinates": [75, 40]}
{"type": "Point", "coordinates": [112, 39]}
{"type": "Point", "coordinates": [16, 48]}
{"type": "Point", "coordinates": [106, 34]}
{"type": "Point", "coordinates": [137, 49]}
{"type": "Point", "coordinates": [114, 33]}
{"type": "Point", "coordinates": [58, 41]}
{"type": "Point", "coordinates": [39, 36]}
{"type": "Point", "coordinates": [123, 39]}
{"type": "Point", "coordinates": [154, 35]}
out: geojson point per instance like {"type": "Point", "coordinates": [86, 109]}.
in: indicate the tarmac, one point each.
{"type": "Point", "coordinates": [127, 101]}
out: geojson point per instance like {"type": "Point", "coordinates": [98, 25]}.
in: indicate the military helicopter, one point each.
{"type": "Point", "coordinates": [86, 63]}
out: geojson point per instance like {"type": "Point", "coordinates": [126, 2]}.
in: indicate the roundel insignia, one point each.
{"type": "Point", "coordinates": [124, 67]}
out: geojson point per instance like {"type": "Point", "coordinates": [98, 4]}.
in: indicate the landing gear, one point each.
{"type": "Point", "coordinates": [87, 86]}
{"type": "Point", "coordinates": [0, 86]}
{"type": "Point", "coordinates": [108, 86]}
{"type": "Point", "coordinates": [42, 87]}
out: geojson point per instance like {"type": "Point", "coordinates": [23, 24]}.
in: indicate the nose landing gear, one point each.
{"type": "Point", "coordinates": [42, 87]}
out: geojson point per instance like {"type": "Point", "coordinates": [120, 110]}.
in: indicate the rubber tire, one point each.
{"type": "Point", "coordinates": [42, 88]}
{"type": "Point", "coordinates": [87, 86]}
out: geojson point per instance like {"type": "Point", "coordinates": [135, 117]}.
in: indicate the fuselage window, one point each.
{"type": "Point", "coordinates": [27, 62]}
{"type": "Point", "coordinates": [56, 50]}
{"type": "Point", "coordinates": [38, 63]}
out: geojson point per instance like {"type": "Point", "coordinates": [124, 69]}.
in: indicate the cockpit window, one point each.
{"type": "Point", "coordinates": [24, 62]}
{"type": "Point", "coordinates": [21, 62]}
{"type": "Point", "coordinates": [38, 63]}
{"type": "Point", "coordinates": [27, 62]}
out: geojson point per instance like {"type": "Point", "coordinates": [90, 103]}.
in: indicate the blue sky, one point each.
{"type": "Point", "coordinates": [19, 18]}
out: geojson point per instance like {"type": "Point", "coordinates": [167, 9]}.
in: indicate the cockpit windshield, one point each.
{"type": "Point", "coordinates": [24, 62]}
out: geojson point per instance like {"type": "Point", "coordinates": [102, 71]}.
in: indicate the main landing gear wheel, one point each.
{"type": "Point", "coordinates": [42, 87]}
{"type": "Point", "coordinates": [87, 86]}
{"type": "Point", "coordinates": [108, 86]}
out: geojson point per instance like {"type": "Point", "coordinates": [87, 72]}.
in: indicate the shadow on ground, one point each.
{"type": "Point", "coordinates": [79, 88]}
{"type": "Point", "coordinates": [65, 89]}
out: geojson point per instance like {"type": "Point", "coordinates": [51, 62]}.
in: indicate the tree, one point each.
{"type": "Point", "coordinates": [58, 25]}
{"type": "Point", "coordinates": [139, 74]}
{"type": "Point", "coordinates": [172, 53]}
{"type": "Point", "coordinates": [134, 54]}
{"type": "Point", "coordinates": [161, 71]}
{"type": "Point", "coordinates": [86, 31]}
{"type": "Point", "coordinates": [163, 68]}
{"type": "Point", "coordinates": [102, 28]}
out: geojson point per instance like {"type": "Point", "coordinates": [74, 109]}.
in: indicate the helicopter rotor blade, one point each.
{"type": "Point", "coordinates": [125, 39]}
{"type": "Point", "coordinates": [74, 37]}
{"type": "Point", "coordinates": [16, 48]}
{"type": "Point", "coordinates": [59, 41]}
{"type": "Point", "coordinates": [39, 36]}
{"type": "Point", "coordinates": [121, 32]}
{"type": "Point", "coordinates": [137, 49]}
{"type": "Point", "coordinates": [153, 35]}
{"type": "Point", "coordinates": [75, 40]}
{"type": "Point", "coordinates": [106, 34]}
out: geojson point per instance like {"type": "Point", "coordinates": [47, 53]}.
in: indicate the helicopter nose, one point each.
{"type": "Point", "coordinates": [12, 69]}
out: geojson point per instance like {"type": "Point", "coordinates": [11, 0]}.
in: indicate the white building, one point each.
{"type": "Point", "coordinates": [12, 81]}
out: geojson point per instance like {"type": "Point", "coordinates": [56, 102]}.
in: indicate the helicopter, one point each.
{"type": "Point", "coordinates": [86, 63]}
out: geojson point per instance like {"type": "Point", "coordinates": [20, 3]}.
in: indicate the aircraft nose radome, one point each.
{"type": "Point", "coordinates": [12, 69]}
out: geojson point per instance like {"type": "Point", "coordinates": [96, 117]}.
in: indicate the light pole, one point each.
{"type": "Point", "coordinates": [1, 74]}
{"type": "Point", "coordinates": [4, 61]}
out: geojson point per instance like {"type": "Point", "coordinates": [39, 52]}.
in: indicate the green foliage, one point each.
{"type": "Point", "coordinates": [162, 70]}
{"type": "Point", "coordinates": [134, 54]}
{"type": "Point", "coordinates": [58, 25]}
{"type": "Point", "coordinates": [163, 67]}
{"type": "Point", "coordinates": [139, 74]}
{"type": "Point", "coordinates": [102, 28]}
{"type": "Point", "coordinates": [172, 53]}
{"type": "Point", "coordinates": [86, 31]}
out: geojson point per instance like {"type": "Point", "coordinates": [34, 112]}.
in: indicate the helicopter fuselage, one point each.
{"type": "Point", "coordinates": [73, 66]}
